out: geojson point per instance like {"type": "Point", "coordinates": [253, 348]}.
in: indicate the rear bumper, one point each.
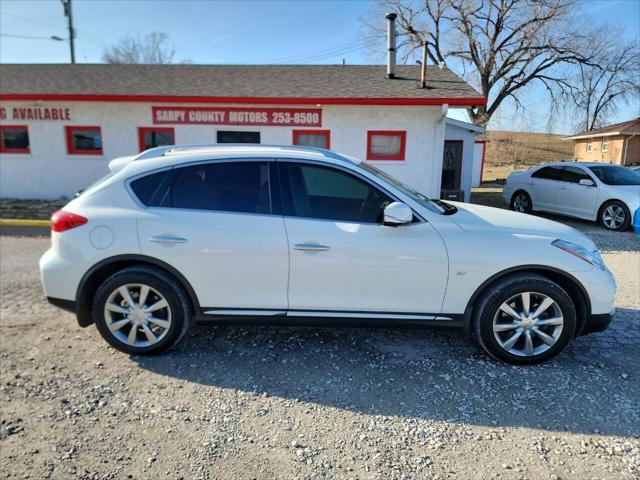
{"type": "Point", "coordinates": [68, 305]}
{"type": "Point", "coordinates": [598, 323]}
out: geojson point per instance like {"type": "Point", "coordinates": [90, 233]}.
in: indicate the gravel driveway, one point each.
{"type": "Point", "coordinates": [285, 402]}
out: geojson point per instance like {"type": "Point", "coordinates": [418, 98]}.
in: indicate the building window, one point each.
{"type": "Point", "coordinates": [590, 145]}
{"type": "Point", "coordinates": [155, 137]}
{"type": "Point", "coordinates": [605, 144]}
{"type": "Point", "coordinates": [84, 140]}
{"type": "Point", "coordinates": [386, 145]}
{"type": "Point", "coordinates": [14, 139]}
{"type": "Point", "coordinates": [312, 138]}
{"type": "Point", "coordinates": [238, 137]}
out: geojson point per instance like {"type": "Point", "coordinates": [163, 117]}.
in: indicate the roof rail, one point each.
{"type": "Point", "coordinates": [177, 149]}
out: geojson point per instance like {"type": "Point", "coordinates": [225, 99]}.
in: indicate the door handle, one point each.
{"type": "Point", "coordinates": [531, 182]}
{"type": "Point", "coordinates": [311, 247]}
{"type": "Point", "coordinates": [166, 239]}
{"type": "Point", "coordinates": [563, 187]}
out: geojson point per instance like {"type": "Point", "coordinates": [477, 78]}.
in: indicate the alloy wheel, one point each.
{"type": "Point", "coordinates": [521, 203]}
{"type": "Point", "coordinates": [613, 216]}
{"type": "Point", "coordinates": [137, 315]}
{"type": "Point", "coordinates": [528, 324]}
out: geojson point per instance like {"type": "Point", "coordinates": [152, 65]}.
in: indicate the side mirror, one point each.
{"type": "Point", "coordinates": [396, 214]}
{"type": "Point", "coordinates": [587, 183]}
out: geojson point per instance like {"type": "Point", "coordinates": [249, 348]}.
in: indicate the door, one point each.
{"type": "Point", "coordinates": [451, 165]}
{"type": "Point", "coordinates": [214, 222]}
{"type": "Point", "coordinates": [342, 259]}
{"type": "Point", "coordinates": [575, 199]}
{"type": "Point", "coordinates": [543, 187]}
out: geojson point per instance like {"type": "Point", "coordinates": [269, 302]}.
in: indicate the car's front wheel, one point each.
{"type": "Point", "coordinates": [141, 310]}
{"type": "Point", "coordinates": [524, 319]}
{"type": "Point", "coordinates": [614, 216]}
{"type": "Point", "coordinates": [521, 202]}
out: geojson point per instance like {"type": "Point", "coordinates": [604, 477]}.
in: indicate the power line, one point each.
{"type": "Point", "coordinates": [25, 36]}
{"type": "Point", "coordinates": [18, 17]}
{"type": "Point", "coordinates": [318, 53]}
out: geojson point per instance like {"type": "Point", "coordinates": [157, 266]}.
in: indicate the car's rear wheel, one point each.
{"type": "Point", "coordinates": [521, 202]}
{"type": "Point", "coordinates": [525, 319]}
{"type": "Point", "coordinates": [614, 216]}
{"type": "Point", "coordinates": [141, 310]}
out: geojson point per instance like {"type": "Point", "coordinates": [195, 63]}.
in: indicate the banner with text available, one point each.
{"type": "Point", "coordinates": [298, 117]}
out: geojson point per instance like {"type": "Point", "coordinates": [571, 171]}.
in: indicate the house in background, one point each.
{"type": "Point", "coordinates": [461, 160]}
{"type": "Point", "coordinates": [618, 144]}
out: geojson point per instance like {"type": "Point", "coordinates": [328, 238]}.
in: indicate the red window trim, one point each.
{"type": "Point", "coordinates": [69, 129]}
{"type": "Point", "coordinates": [326, 133]}
{"type": "Point", "coordinates": [403, 144]}
{"type": "Point", "coordinates": [143, 130]}
{"type": "Point", "coordinates": [484, 151]}
{"type": "Point", "coordinates": [13, 150]}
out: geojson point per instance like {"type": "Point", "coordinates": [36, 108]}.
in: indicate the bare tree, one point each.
{"type": "Point", "coordinates": [500, 46]}
{"type": "Point", "coordinates": [150, 49]}
{"type": "Point", "coordinates": [599, 90]}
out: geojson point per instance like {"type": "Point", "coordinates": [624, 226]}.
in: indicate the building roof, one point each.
{"type": "Point", "coordinates": [630, 127]}
{"type": "Point", "coordinates": [465, 125]}
{"type": "Point", "coordinates": [293, 84]}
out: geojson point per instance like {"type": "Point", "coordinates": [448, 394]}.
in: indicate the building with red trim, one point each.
{"type": "Point", "coordinates": [60, 125]}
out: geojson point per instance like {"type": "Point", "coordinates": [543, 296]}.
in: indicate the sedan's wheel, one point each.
{"type": "Point", "coordinates": [524, 319]}
{"type": "Point", "coordinates": [521, 202]}
{"type": "Point", "coordinates": [614, 216]}
{"type": "Point", "coordinates": [141, 310]}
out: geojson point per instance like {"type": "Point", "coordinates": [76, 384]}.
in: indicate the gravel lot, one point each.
{"type": "Point", "coordinates": [287, 402]}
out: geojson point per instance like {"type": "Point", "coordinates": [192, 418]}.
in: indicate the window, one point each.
{"type": "Point", "coordinates": [548, 173]}
{"type": "Point", "coordinates": [605, 144]}
{"type": "Point", "coordinates": [146, 188]}
{"type": "Point", "coordinates": [238, 137]}
{"type": "Point", "coordinates": [84, 140]}
{"type": "Point", "coordinates": [386, 145]}
{"type": "Point", "coordinates": [312, 138]}
{"type": "Point", "coordinates": [327, 193]}
{"type": "Point", "coordinates": [590, 145]}
{"type": "Point", "coordinates": [14, 139]}
{"type": "Point", "coordinates": [574, 175]}
{"type": "Point", "coordinates": [222, 186]}
{"type": "Point", "coordinates": [155, 137]}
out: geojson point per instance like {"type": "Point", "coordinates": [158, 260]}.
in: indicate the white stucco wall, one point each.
{"type": "Point", "coordinates": [49, 172]}
{"type": "Point", "coordinates": [468, 148]}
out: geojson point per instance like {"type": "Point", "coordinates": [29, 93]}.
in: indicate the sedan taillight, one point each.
{"type": "Point", "coordinates": [62, 221]}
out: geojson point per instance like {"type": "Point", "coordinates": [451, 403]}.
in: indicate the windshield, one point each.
{"type": "Point", "coordinates": [615, 175]}
{"type": "Point", "coordinates": [433, 205]}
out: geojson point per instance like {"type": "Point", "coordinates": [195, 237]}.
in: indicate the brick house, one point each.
{"type": "Point", "coordinates": [618, 144]}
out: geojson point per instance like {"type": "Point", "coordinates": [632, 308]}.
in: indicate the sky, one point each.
{"type": "Point", "coordinates": [248, 32]}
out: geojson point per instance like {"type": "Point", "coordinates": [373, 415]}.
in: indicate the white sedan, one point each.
{"type": "Point", "coordinates": [291, 234]}
{"type": "Point", "coordinates": [609, 194]}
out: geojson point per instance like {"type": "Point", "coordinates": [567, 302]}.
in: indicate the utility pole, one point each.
{"type": "Point", "coordinates": [66, 4]}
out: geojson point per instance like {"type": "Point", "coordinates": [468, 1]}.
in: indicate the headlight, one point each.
{"type": "Point", "coordinates": [579, 251]}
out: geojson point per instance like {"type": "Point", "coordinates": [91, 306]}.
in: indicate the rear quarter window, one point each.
{"type": "Point", "coordinates": [147, 188]}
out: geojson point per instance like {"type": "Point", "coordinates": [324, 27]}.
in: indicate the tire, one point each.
{"type": "Point", "coordinates": [494, 327]}
{"type": "Point", "coordinates": [116, 321]}
{"type": "Point", "coordinates": [521, 202]}
{"type": "Point", "coordinates": [614, 215]}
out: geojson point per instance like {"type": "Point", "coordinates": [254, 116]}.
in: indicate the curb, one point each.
{"type": "Point", "coordinates": [17, 222]}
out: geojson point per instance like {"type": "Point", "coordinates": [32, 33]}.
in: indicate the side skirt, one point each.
{"type": "Point", "coordinates": [326, 318]}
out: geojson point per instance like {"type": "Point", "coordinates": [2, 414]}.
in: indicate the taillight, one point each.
{"type": "Point", "coordinates": [62, 221]}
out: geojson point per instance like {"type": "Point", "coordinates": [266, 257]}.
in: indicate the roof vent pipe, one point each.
{"type": "Point", "coordinates": [391, 44]}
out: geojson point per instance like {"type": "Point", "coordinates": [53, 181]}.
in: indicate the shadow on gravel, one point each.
{"type": "Point", "coordinates": [425, 374]}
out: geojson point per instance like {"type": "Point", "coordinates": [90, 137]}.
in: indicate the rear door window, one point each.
{"type": "Point", "coordinates": [548, 173]}
{"type": "Point", "coordinates": [222, 186]}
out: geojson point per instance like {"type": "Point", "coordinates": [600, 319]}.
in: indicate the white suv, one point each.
{"type": "Point", "coordinates": [182, 234]}
{"type": "Point", "coordinates": [607, 193]}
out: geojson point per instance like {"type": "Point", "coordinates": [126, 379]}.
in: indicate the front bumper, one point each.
{"type": "Point", "coordinates": [598, 323]}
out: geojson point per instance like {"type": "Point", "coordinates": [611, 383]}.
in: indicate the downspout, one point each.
{"type": "Point", "coordinates": [626, 147]}
{"type": "Point", "coordinates": [436, 180]}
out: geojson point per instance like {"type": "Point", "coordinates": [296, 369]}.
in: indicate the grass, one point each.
{"type": "Point", "coordinates": [491, 196]}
